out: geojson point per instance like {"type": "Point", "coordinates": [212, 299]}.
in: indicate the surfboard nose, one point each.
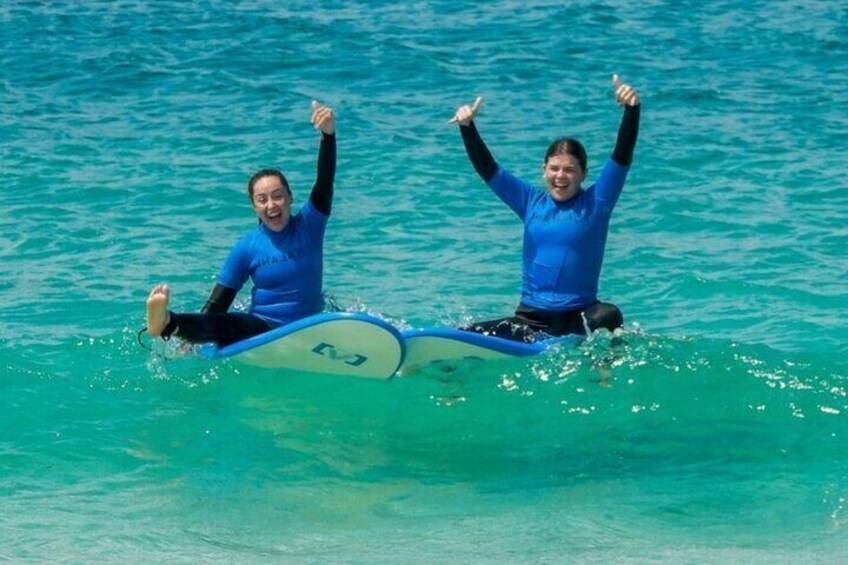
{"type": "Point", "coordinates": [349, 344]}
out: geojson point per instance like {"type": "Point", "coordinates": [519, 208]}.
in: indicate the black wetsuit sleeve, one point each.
{"type": "Point", "coordinates": [220, 300]}
{"type": "Point", "coordinates": [322, 191]}
{"type": "Point", "coordinates": [478, 153]}
{"type": "Point", "coordinates": [628, 131]}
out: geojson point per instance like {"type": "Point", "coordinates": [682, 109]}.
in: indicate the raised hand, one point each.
{"type": "Point", "coordinates": [323, 118]}
{"type": "Point", "coordinates": [465, 114]}
{"type": "Point", "coordinates": [625, 94]}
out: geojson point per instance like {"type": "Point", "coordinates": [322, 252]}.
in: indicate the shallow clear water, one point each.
{"type": "Point", "coordinates": [715, 433]}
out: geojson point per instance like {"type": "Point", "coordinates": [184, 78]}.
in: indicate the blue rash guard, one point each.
{"type": "Point", "coordinates": [563, 241]}
{"type": "Point", "coordinates": [286, 267]}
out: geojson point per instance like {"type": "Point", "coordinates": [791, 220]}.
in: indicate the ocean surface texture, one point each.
{"type": "Point", "coordinates": [716, 432]}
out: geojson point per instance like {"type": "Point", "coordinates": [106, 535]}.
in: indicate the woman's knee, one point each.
{"type": "Point", "coordinates": [603, 315]}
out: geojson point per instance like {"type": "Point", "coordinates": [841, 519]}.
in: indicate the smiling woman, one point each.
{"type": "Point", "coordinates": [283, 256]}
{"type": "Point", "coordinates": [565, 228]}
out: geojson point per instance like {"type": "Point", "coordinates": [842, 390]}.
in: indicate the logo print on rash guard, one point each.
{"type": "Point", "coordinates": [284, 257]}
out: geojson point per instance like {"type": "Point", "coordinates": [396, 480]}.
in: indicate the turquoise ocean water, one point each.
{"type": "Point", "coordinates": [717, 433]}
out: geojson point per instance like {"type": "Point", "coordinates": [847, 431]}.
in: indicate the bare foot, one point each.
{"type": "Point", "coordinates": [157, 309]}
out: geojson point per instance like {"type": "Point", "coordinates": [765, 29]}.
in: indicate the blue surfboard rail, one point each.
{"type": "Point", "coordinates": [213, 352]}
{"type": "Point", "coordinates": [448, 345]}
{"type": "Point", "coordinates": [499, 344]}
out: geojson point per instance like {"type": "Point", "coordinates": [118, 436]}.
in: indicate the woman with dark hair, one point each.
{"type": "Point", "coordinates": [565, 228]}
{"type": "Point", "coordinates": [283, 256]}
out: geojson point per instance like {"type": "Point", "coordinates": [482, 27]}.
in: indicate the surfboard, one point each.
{"type": "Point", "coordinates": [336, 343]}
{"type": "Point", "coordinates": [432, 345]}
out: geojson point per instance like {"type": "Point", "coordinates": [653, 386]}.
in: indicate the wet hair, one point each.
{"type": "Point", "coordinates": [567, 146]}
{"type": "Point", "coordinates": [266, 173]}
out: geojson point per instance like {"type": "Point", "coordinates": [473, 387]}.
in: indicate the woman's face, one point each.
{"type": "Point", "coordinates": [272, 202]}
{"type": "Point", "coordinates": [563, 175]}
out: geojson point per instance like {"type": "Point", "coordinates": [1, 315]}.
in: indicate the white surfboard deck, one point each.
{"type": "Point", "coordinates": [336, 343]}
{"type": "Point", "coordinates": [435, 345]}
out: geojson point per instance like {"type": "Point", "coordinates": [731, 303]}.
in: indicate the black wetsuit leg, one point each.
{"type": "Point", "coordinates": [579, 322]}
{"type": "Point", "coordinates": [514, 328]}
{"type": "Point", "coordinates": [220, 328]}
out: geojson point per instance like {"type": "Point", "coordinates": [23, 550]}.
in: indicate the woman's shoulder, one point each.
{"type": "Point", "coordinates": [250, 237]}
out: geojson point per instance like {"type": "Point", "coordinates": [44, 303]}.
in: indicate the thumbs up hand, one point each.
{"type": "Point", "coordinates": [465, 114]}
{"type": "Point", "coordinates": [625, 94]}
{"type": "Point", "coordinates": [323, 118]}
